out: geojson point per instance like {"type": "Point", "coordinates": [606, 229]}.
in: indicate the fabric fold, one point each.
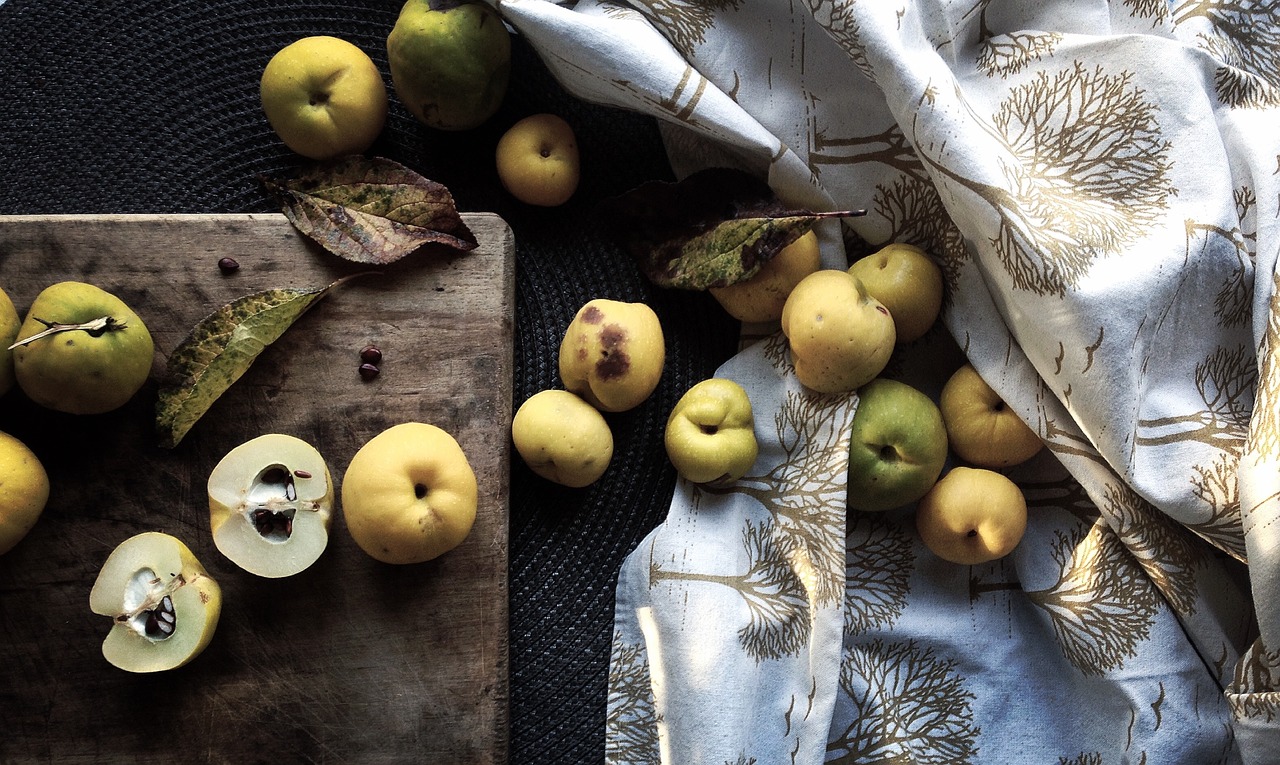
{"type": "Point", "coordinates": [1098, 184]}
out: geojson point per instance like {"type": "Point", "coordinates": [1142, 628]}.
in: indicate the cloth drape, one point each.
{"type": "Point", "coordinates": [1099, 183]}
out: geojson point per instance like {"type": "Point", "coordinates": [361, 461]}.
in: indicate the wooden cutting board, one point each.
{"type": "Point", "coordinates": [350, 661]}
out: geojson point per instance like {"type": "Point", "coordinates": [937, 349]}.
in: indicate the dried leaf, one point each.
{"type": "Point", "coordinates": [731, 252]}
{"type": "Point", "coordinates": [371, 210]}
{"type": "Point", "coordinates": [221, 348]}
{"type": "Point", "coordinates": [714, 228]}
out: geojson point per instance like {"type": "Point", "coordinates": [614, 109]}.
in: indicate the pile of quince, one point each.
{"type": "Point", "coordinates": [409, 493]}
{"type": "Point", "coordinates": [79, 350]}
{"type": "Point", "coordinates": [450, 66]}
{"type": "Point", "coordinates": [841, 327]}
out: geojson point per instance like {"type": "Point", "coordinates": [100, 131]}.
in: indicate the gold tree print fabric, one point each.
{"type": "Point", "coordinates": [1100, 183]}
{"type": "Point", "coordinates": [738, 599]}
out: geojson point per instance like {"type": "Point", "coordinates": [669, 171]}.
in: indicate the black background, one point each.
{"type": "Point", "coordinates": [129, 107]}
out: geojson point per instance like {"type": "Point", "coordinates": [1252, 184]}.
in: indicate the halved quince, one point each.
{"type": "Point", "coordinates": [163, 604]}
{"type": "Point", "coordinates": [270, 500]}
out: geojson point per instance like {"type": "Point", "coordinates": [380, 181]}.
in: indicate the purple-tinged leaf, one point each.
{"type": "Point", "coordinates": [370, 210]}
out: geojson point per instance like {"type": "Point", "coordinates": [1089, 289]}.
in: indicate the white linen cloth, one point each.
{"type": "Point", "coordinates": [1098, 181]}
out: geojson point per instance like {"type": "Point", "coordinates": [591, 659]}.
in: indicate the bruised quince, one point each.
{"type": "Point", "coordinates": [612, 354]}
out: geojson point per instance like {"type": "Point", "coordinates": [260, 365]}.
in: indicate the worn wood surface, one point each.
{"type": "Point", "coordinates": [351, 661]}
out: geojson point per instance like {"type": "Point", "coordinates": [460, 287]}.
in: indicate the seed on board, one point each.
{"type": "Point", "coordinates": [371, 354]}
{"type": "Point", "coordinates": [228, 265]}
{"type": "Point", "coordinates": [369, 371]}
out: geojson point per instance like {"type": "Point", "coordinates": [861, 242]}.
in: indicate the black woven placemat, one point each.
{"type": "Point", "coordinates": [127, 107]}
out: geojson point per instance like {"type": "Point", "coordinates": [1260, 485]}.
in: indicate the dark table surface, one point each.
{"type": "Point", "coordinates": [127, 107]}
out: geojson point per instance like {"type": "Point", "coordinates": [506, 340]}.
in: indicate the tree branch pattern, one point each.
{"type": "Point", "coordinates": [1216, 485]}
{"type": "Point", "coordinates": [631, 722]}
{"type": "Point", "coordinates": [1167, 552]}
{"type": "Point", "coordinates": [1245, 36]}
{"type": "Point", "coordinates": [1087, 172]}
{"type": "Point", "coordinates": [772, 588]}
{"type": "Point", "coordinates": [1225, 381]}
{"type": "Point", "coordinates": [1253, 689]}
{"type": "Point", "coordinates": [1232, 306]}
{"type": "Point", "coordinates": [1102, 605]}
{"type": "Point", "coordinates": [910, 706]}
{"type": "Point", "coordinates": [1264, 435]}
{"type": "Point", "coordinates": [1001, 55]}
{"type": "Point", "coordinates": [685, 23]}
{"type": "Point", "coordinates": [878, 573]}
{"type": "Point", "coordinates": [841, 21]}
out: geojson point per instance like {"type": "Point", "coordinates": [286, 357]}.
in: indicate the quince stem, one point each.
{"type": "Point", "coordinates": [95, 327]}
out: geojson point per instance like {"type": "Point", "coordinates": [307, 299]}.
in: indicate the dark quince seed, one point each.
{"type": "Point", "coordinates": [371, 354]}
{"type": "Point", "coordinates": [228, 265]}
{"type": "Point", "coordinates": [369, 371]}
{"type": "Point", "coordinates": [302, 473]}
{"type": "Point", "coordinates": [262, 520]}
{"type": "Point", "coordinates": [156, 627]}
{"type": "Point", "coordinates": [275, 475]}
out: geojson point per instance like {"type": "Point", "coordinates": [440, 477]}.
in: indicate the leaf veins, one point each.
{"type": "Point", "coordinates": [220, 349]}
{"type": "Point", "coordinates": [371, 210]}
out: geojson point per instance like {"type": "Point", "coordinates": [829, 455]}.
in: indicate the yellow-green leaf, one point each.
{"type": "Point", "coordinates": [220, 349]}
{"type": "Point", "coordinates": [717, 227]}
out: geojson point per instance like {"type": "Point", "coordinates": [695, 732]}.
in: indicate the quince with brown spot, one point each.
{"type": "Point", "coordinates": [612, 354]}
{"type": "Point", "coordinates": [839, 336]}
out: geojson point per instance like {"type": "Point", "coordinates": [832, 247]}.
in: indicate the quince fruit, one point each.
{"type": "Point", "coordinates": [450, 62]}
{"type": "Point", "coordinates": [840, 336]}
{"type": "Point", "coordinates": [761, 298]}
{"type": "Point", "coordinates": [324, 97]}
{"type": "Point", "coordinates": [164, 606]}
{"type": "Point", "coordinates": [612, 354]}
{"type": "Point", "coordinates": [710, 436]}
{"type": "Point", "coordinates": [9, 323]}
{"type": "Point", "coordinates": [82, 350]}
{"type": "Point", "coordinates": [409, 495]}
{"type": "Point", "coordinates": [24, 491]}
{"type": "Point", "coordinates": [562, 438]}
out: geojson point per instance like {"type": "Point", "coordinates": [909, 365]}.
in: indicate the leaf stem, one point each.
{"type": "Point", "coordinates": [96, 327]}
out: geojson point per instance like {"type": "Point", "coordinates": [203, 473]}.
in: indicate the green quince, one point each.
{"type": "Point", "coordinates": [450, 61]}
{"type": "Point", "coordinates": [81, 350]}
